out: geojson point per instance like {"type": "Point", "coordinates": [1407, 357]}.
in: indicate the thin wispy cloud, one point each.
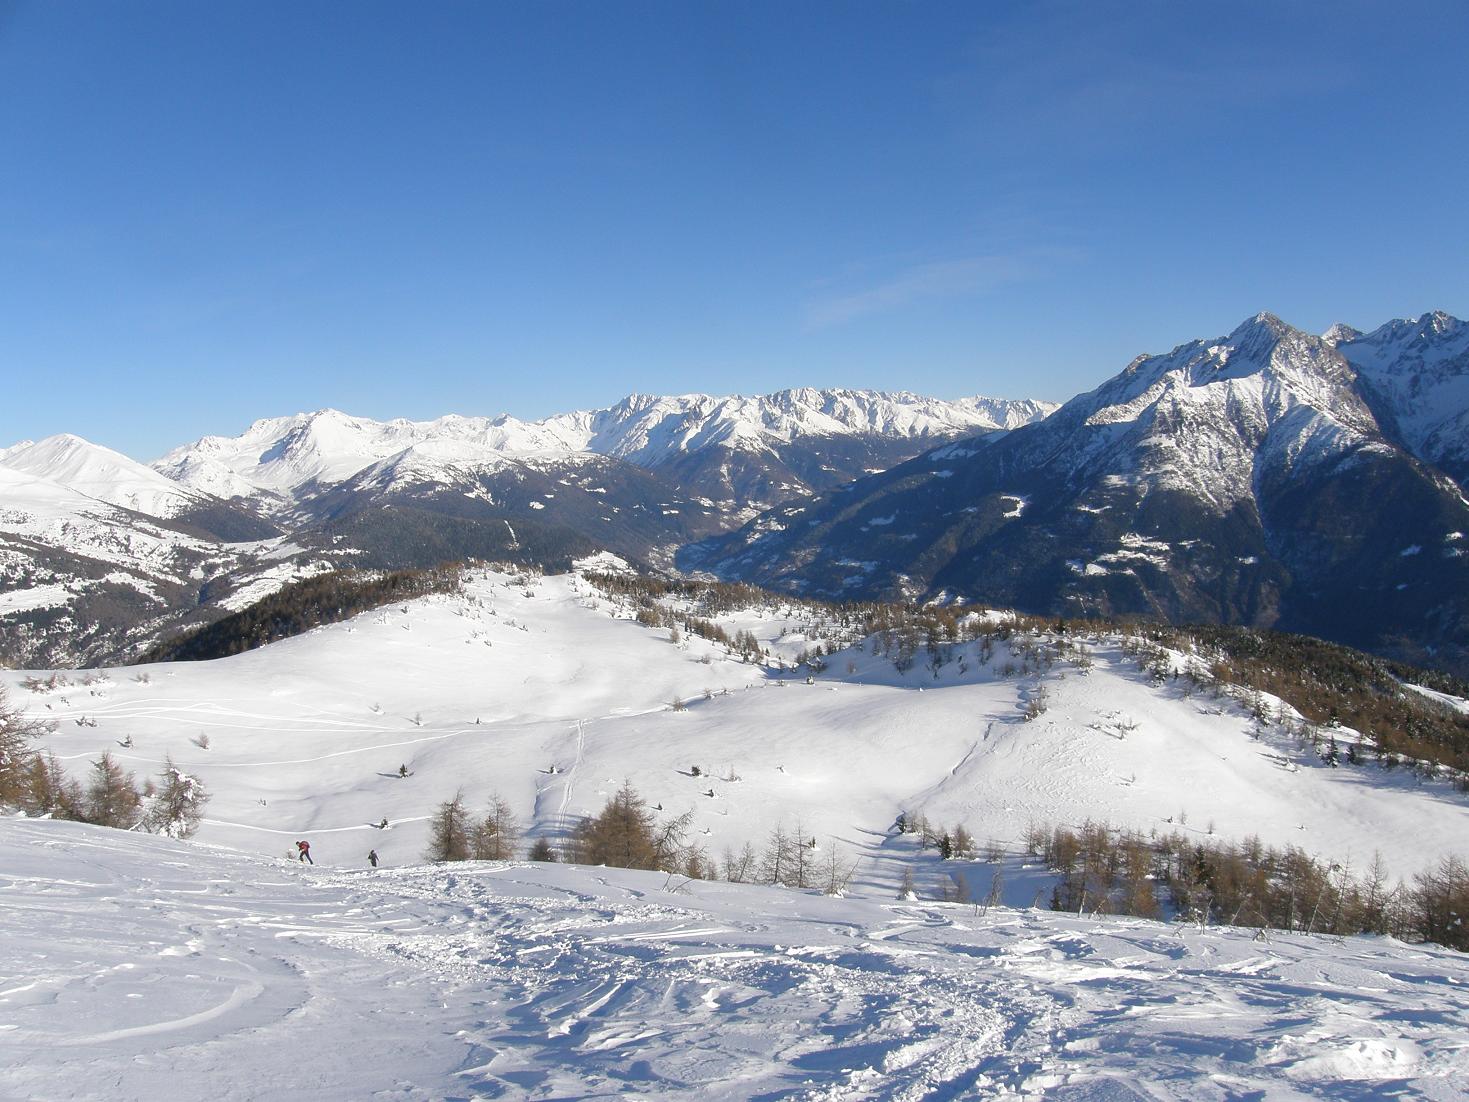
{"type": "Point", "coordinates": [1113, 82]}
{"type": "Point", "coordinates": [964, 277]}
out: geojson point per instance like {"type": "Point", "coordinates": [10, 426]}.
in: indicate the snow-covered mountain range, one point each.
{"type": "Point", "coordinates": [98, 552]}
{"type": "Point", "coordinates": [104, 475]}
{"type": "Point", "coordinates": [1269, 477]}
{"type": "Point", "coordinates": [283, 460]}
{"type": "Point", "coordinates": [1415, 376]}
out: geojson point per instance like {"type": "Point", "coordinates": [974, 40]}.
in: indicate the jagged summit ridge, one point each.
{"type": "Point", "coordinates": [283, 455]}
{"type": "Point", "coordinates": [1415, 374]}
{"type": "Point", "coordinates": [1203, 417]}
{"type": "Point", "coordinates": [1270, 477]}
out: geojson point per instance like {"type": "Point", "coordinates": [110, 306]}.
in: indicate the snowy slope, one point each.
{"type": "Point", "coordinates": [83, 579]}
{"type": "Point", "coordinates": [37, 510]}
{"type": "Point", "coordinates": [491, 690]}
{"type": "Point", "coordinates": [103, 474]}
{"type": "Point", "coordinates": [138, 968]}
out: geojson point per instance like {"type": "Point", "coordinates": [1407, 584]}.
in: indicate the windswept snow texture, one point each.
{"type": "Point", "coordinates": [137, 968]}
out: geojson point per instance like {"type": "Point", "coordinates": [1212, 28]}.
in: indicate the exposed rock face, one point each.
{"type": "Point", "coordinates": [1270, 477]}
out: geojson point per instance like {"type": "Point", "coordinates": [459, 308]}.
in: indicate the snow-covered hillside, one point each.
{"type": "Point", "coordinates": [98, 553]}
{"type": "Point", "coordinates": [533, 689]}
{"type": "Point", "coordinates": [223, 967]}
{"type": "Point", "coordinates": [103, 474]}
{"type": "Point", "coordinates": [38, 509]}
{"type": "Point", "coordinates": [65, 495]}
{"type": "Point", "coordinates": [60, 547]}
{"type": "Point", "coordinates": [85, 577]}
{"type": "Point", "coordinates": [136, 967]}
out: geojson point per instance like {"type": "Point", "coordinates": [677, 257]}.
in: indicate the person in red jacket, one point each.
{"type": "Point", "coordinates": [304, 849]}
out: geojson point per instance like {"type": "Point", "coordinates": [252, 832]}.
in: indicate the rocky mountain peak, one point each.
{"type": "Point", "coordinates": [1340, 333]}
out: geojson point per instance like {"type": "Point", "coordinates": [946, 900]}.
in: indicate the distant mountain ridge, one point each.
{"type": "Point", "coordinates": [287, 458]}
{"type": "Point", "coordinates": [103, 474]}
{"type": "Point", "coordinates": [97, 550]}
{"type": "Point", "coordinates": [1270, 477]}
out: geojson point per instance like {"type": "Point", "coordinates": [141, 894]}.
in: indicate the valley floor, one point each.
{"type": "Point", "coordinates": [137, 967]}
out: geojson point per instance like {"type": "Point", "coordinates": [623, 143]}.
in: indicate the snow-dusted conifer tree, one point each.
{"type": "Point", "coordinates": [177, 806]}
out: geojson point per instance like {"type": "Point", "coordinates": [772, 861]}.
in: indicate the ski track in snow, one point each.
{"type": "Point", "coordinates": [138, 968]}
{"type": "Point", "coordinates": [566, 787]}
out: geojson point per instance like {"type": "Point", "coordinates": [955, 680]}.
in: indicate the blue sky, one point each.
{"type": "Point", "coordinates": [216, 212]}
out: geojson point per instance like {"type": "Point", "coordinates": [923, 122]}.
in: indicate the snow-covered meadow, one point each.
{"type": "Point", "coordinates": [546, 692]}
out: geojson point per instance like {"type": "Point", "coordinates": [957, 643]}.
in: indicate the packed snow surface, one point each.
{"type": "Point", "coordinates": [135, 967]}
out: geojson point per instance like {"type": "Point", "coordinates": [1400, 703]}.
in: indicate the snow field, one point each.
{"type": "Point", "coordinates": [135, 967]}
{"type": "Point", "coordinates": [305, 738]}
